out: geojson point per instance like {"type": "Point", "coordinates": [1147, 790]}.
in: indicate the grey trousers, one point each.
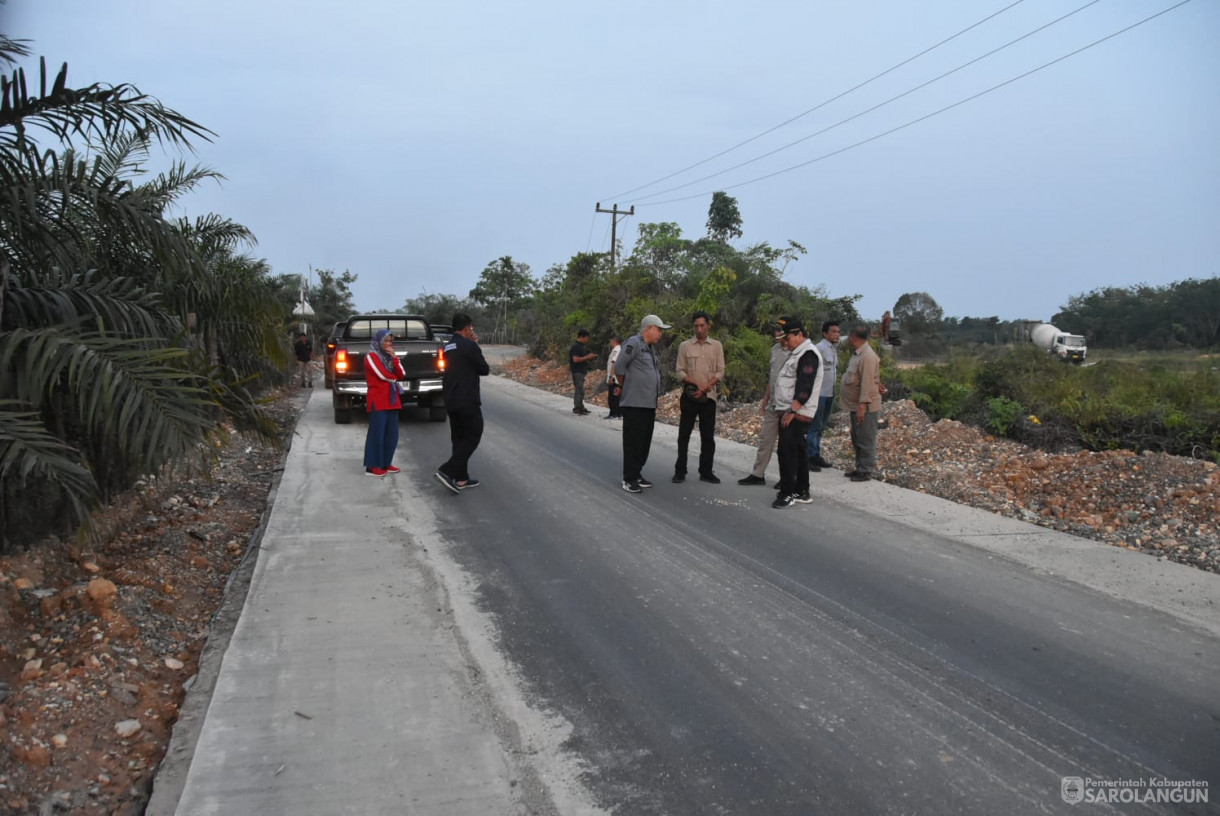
{"type": "Point", "coordinates": [768, 435]}
{"type": "Point", "coordinates": [864, 441]}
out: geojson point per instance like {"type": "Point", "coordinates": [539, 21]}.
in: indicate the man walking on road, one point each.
{"type": "Point", "coordinates": [578, 362]}
{"type": "Point", "coordinates": [700, 369]}
{"type": "Point", "coordinates": [637, 368]}
{"type": "Point", "coordinates": [768, 432]}
{"type": "Point", "coordinates": [861, 398]}
{"type": "Point", "coordinates": [464, 364]}
{"type": "Point", "coordinates": [796, 400]}
{"type": "Point", "coordinates": [828, 348]}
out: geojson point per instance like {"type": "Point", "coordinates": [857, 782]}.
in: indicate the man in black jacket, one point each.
{"type": "Point", "coordinates": [464, 364]}
{"type": "Point", "coordinates": [304, 352]}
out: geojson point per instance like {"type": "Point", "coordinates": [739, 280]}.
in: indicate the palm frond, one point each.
{"type": "Point", "coordinates": [119, 306]}
{"type": "Point", "coordinates": [137, 394]}
{"type": "Point", "coordinates": [30, 454]}
{"type": "Point", "coordinates": [98, 112]}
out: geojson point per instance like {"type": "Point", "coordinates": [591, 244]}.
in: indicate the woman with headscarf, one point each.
{"type": "Point", "coordinates": [382, 371]}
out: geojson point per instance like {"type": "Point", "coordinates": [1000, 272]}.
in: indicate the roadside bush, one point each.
{"type": "Point", "coordinates": [1147, 404]}
{"type": "Point", "coordinates": [1003, 414]}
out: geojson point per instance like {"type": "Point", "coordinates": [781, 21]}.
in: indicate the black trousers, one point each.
{"type": "Point", "coordinates": [465, 432]}
{"type": "Point", "coordinates": [637, 440]}
{"type": "Point", "coordinates": [613, 395]}
{"type": "Point", "coordinates": [793, 458]}
{"type": "Point", "coordinates": [705, 412]}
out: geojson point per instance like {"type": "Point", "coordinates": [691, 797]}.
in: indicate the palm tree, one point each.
{"type": "Point", "coordinates": [99, 381]}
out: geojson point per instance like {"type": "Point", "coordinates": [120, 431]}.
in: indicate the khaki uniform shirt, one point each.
{"type": "Point", "coordinates": [701, 361]}
{"type": "Point", "coordinates": [862, 380]}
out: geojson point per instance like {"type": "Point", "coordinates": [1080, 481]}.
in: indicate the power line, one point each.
{"type": "Point", "coordinates": [592, 224]}
{"type": "Point", "coordinates": [879, 105]}
{"type": "Point", "coordinates": [816, 107]}
{"type": "Point", "coordinates": [926, 116]}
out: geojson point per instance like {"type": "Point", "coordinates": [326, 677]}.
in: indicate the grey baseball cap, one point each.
{"type": "Point", "coordinates": [653, 320]}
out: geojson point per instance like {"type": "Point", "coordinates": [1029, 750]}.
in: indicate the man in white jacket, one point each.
{"type": "Point", "coordinates": [796, 400]}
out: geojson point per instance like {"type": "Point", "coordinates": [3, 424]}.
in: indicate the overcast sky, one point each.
{"type": "Point", "coordinates": [413, 143]}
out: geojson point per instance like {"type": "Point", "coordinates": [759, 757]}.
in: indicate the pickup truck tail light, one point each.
{"type": "Point", "coordinates": [440, 360]}
{"type": "Point", "coordinates": [341, 363]}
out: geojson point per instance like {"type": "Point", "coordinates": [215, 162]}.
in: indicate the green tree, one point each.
{"type": "Point", "coordinates": [503, 285]}
{"type": "Point", "coordinates": [723, 218]}
{"type": "Point", "coordinates": [920, 317]}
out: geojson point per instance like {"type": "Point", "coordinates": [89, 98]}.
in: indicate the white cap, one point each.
{"type": "Point", "coordinates": [653, 320]}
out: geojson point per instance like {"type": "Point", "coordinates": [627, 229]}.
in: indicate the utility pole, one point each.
{"type": "Point", "coordinates": [614, 214]}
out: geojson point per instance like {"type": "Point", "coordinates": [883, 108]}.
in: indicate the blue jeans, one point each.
{"type": "Point", "coordinates": [382, 439]}
{"type": "Point", "coordinates": [813, 439]}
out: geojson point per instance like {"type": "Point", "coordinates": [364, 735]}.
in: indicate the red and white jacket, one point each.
{"type": "Point", "coordinates": [383, 391]}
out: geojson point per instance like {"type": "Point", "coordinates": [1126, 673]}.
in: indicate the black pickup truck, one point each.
{"type": "Point", "coordinates": [417, 349]}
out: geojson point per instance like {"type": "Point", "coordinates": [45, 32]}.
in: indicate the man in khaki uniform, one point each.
{"type": "Point", "coordinates": [700, 368]}
{"type": "Point", "coordinates": [861, 398]}
{"type": "Point", "coordinates": [768, 432]}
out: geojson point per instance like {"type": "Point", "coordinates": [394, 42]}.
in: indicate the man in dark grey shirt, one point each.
{"type": "Point", "coordinates": [640, 373]}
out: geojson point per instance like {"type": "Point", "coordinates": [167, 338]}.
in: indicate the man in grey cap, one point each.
{"type": "Point", "coordinates": [640, 374]}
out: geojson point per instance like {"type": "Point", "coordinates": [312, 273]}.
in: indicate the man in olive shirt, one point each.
{"type": "Point", "coordinates": [861, 398]}
{"type": "Point", "coordinates": [700, 368]}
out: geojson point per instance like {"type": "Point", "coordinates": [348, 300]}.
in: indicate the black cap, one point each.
{"type": "Point", "coordinates": [789, 325]}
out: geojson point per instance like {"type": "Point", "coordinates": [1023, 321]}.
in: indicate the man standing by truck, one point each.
{"type": "Point", "coordinates": [464, 364]}
{"type": "Point", "coordinates": [304, 352]}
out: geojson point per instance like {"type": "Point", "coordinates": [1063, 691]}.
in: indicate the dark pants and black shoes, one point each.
{"type": "Point", "coordinates": [705, 413]}
{"type": "Point", "coordinates": [578, 392]}
{"type": "Point", "coordinates": [793, 460]}
{"type": "Point", "coordinates": [613, 394]}
{"type": "Point", "coordinates": [637, 440]}
{"type": "Point", "coordinates": [465, 432]}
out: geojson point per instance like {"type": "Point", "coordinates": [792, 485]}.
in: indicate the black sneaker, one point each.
{"type": "Point", "coordinates": [752, 480]}
{"type": "Point", "coordinates": [631, 487]}
{"type": "Point", "coordinates": [821, 462]}
{"type": "Point", "coordinates": [469, 483]}
{"type": "Point", "coordinates": [861, 477]}
{"type": "Point", "coordinates": [642, 482]}
{"type": "Point", "coordinates": [803, 498]}
{"type": "Point", "coordinates": [710, 478]}
{"type": "Point", "coordinates": [782, 501]}
{"type": "Point", "coordinates": [448, 481]}
{"type": "Point", "coordinates": [678, 478]}
{"type": "Point", "coordinates": [814, 468]}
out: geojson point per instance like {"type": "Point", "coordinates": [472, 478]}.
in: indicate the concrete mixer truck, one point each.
{"type": "Point", "coordinates": [1069, 347]}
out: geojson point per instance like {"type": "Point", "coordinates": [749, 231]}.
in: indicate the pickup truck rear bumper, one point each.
{"type": "Point", "coordinates": [412, 389]}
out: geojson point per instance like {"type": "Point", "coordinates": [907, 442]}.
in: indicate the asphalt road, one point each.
{"type": "Point", "coordinates": [572, 648]}
{"type": "Point", "coordinates": [717, 656]}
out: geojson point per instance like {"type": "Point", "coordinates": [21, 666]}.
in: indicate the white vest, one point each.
{"type": "Point", "coordinates": [785, 384]}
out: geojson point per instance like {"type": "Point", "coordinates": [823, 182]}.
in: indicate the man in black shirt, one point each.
{"type": "Point", "coordinates": [578, 362]}
{"type": "Point", "coordinates": [464, 364]}
{"type": "Point", "coordinates": [304, 352]}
